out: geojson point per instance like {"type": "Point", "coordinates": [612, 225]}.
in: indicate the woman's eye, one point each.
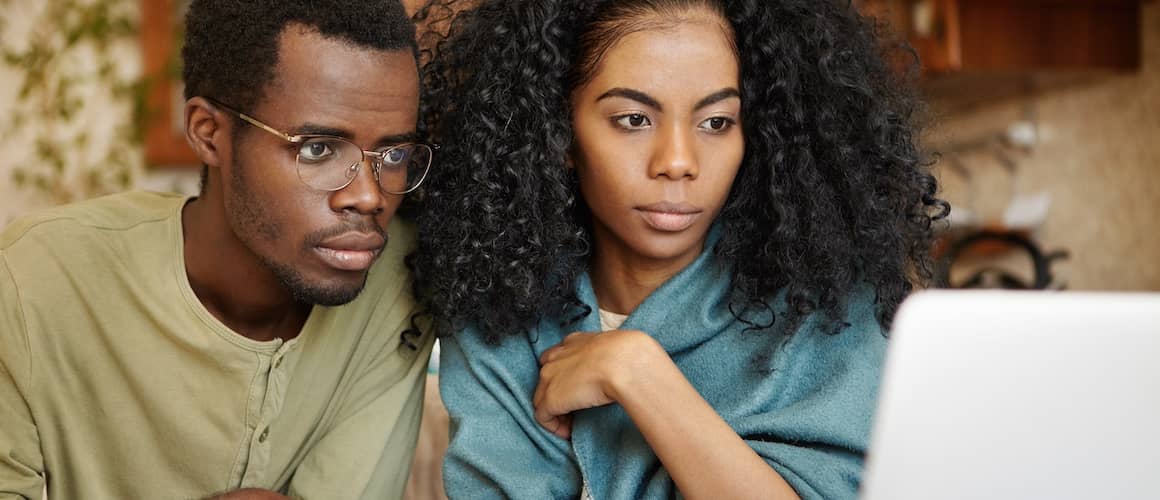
{"type": "Point", "coordinates": [315, 151]}
{"type": "Point", "coordinates": [717, 124]}
{"type": "Point", "coordinates": [633, 121]}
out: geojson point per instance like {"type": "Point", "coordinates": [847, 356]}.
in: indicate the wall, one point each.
{"type": "Point", "coordinates": [1098, 157]}
{"type": "Point", "coordinates": [100, 114]}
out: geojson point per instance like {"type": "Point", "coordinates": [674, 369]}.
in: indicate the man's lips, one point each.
{"type": "Point", "coordinates": [353, 251]}
{"type": "Point", "coordinates": [669, 216]}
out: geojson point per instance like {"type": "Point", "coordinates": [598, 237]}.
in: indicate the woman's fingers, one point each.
{"type": "Point", "coordinates": [560, 425]}
{"type": "Point", "coordinates": [552, 419]}
{"type": "Point", "coordinates": [538, 396]}
{"type": "Point", "coordinates": [552, 411]}
{"type": "Point", "coordinates": [558, 350]}
{"type": "Point", "coordinates": [573, 336]}
{"type": "Point", "coordinates": [551, 354]}
{"type": "Point", "coordinates": [564, 427]}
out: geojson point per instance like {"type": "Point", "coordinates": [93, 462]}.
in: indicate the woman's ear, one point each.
{"type": "Point", "coordinates": [570, 161]}
{"type": "Point", "coordinates": [207, 130]}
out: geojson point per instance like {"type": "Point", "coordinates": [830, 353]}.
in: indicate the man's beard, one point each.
{"type": "Point", "coordinates": [306, 293]}
{"type": "Point", "coordinates": [252, 221]}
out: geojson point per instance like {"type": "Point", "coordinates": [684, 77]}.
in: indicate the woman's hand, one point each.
{"type": "Point", "coordinates": [703, 454]}
{"type": "Point", "coordinates": [586, 370]}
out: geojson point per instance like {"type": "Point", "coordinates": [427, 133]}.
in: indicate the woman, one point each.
{"type": "Point", "coordinates": [730, 191]}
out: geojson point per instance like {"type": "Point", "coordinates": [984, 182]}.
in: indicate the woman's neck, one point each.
{"type": "Point", "coordinates": [622, 279]}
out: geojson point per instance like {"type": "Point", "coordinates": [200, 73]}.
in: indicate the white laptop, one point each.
{"type": "Point", "coordinates": [1019, 395]}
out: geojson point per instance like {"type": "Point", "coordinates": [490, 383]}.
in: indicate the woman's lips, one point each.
{"type": "Point", "coordinates": [669, 217]}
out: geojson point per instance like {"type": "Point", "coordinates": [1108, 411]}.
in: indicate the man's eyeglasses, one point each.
{"type": "Point", "coordinates": [330, 163]}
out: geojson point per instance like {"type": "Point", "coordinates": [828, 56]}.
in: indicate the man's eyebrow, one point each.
{"type": "Point", "coordinates": [315, 129]}
{"type": "Point", "coordinates": [717, 96]}
{"type": "Point", "coordinates": [634, 95]}
{"type": "Point", "coordinates": [392, 140]}
{"type": "Point", "coordinates": [388, 140]}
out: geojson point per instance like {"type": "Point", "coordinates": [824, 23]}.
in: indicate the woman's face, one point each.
{"type": "Point", "coordinates": [658, 140]}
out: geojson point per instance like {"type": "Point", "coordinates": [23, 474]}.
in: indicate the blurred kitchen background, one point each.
{"type": "Point", "coordinates": [1046, 115]}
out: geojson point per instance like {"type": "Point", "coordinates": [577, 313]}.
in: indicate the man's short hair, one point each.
{"type": "Point", "coordinates": [231, 46]}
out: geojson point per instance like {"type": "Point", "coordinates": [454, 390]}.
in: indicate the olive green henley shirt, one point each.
{"type": "Point", "coordinates": [117, 383]}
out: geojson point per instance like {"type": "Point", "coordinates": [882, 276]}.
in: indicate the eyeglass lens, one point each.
{"type": "Point", "coordinates": [330, 164]}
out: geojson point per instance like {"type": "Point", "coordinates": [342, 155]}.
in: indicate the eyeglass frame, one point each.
{"type": "Point", "coordinates": [376, 167]}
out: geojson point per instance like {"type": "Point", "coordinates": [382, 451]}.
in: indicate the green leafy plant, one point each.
{"type": "Point", "coordinates": [72, 60]}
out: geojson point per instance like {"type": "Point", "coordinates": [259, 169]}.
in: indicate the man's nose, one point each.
{"type": "Point", "coordinates": [364, 194]}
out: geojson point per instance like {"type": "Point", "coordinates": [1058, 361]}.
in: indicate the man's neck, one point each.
{"type": "Point", "coordinates": [231, 282]}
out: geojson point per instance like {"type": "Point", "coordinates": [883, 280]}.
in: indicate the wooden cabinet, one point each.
{"type": "Point", "coordinates": [976, 52]}
{"type": "Point", "coordinates": [1006, 35]}
{"type": "Point", "coordinates": [165, 143]}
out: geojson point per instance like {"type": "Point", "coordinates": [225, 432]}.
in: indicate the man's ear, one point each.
{"type": "Point", "coordinates": [207, 129]}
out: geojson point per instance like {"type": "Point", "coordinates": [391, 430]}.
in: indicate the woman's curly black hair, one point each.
{"type": "Point", "coordinates": [833, 194]}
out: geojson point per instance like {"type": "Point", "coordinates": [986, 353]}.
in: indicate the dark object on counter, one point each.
{"type": "Point", "coordinates": [993, 277]}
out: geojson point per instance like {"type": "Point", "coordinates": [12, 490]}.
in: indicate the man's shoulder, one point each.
{"type": "Point", "coordinates": [66, 223]}
{"type": "Point", "coordinates": [382, 319]}
{"type": "Point", "coordinates": [386, 297]}
{"type": "Point", "coordinates": [390, 271]}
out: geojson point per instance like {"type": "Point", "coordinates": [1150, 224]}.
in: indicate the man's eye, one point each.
{"type": "Point", "coordinates": [315, 151]}
{"type": "Point", "coordinates": [396, 155]}
{"type": "Point", "coordinates": [633, 121]}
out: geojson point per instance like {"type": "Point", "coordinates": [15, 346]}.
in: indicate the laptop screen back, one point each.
{"type": "Point", "coordinates": [1006, 395]}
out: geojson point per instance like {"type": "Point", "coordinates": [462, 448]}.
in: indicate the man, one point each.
{"type": "Point", "coordinates": [255, 341]}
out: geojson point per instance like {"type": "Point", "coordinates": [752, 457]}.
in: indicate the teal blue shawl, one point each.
{"type": "Point", "coordinates": [803, 404]}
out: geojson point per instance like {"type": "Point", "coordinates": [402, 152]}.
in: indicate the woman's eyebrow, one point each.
{"type": "Point", "coordinates": [717, 96]}
{"type": "Point", "coordinates": [634, 95]}
{"type": "Point", "coordinates": [648, 100]}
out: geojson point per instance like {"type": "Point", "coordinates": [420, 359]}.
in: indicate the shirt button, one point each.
{"type": "Point", "coordinates": [265, 433]}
